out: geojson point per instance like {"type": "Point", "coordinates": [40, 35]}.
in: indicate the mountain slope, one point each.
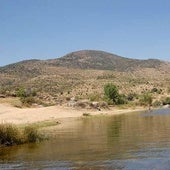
{"type": "Point", "coordinates": [85, 59]}
{"type": "Point", "coordinates": [27, 68]}
{"type": "Point", "coordinates": [83, 74]}
{"type": "Point", "coordinates": [99, 60]}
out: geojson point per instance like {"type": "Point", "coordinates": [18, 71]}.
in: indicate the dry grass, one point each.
{"type": "Point", "coordinates": [13, 101]}
{"type": "Point", "coordinates": [12, 135]}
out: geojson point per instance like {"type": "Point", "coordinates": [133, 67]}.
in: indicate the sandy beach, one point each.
{"type": "Point", "coordinates": [10, 114]}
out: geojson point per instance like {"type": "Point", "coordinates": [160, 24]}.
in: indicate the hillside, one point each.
{"type": "Point", "coordinates": [100, 60]}
{"type": "Point", "coordinates": [83, 74]}
{"type": "Point", "coordinates": [85, 59]}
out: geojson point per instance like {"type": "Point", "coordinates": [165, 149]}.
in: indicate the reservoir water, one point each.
{"type": "Point", "coordinates": [134, 141]}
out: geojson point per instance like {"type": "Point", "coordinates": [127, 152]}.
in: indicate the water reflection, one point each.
{"type": "Point", "coordinates": [130, 141]}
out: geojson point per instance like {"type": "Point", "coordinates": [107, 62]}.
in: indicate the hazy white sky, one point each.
{"type": "Point", "coordinates": [44, 29]}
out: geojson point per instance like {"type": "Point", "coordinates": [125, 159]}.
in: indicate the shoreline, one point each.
{"type": "Point", "coordinates": [21, 116]}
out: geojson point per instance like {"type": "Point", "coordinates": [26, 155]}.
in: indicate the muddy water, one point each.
{"type": "Point", "coordinates": [130, 142]}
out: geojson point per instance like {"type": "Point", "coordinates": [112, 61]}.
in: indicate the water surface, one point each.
{"type": "Point", "coordinates": [130, 142]}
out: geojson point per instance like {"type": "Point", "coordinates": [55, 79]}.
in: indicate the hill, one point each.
{"type": "Point", "coordinates": [83, 74]}
{"type": "Point", "coordinates": [85, 59]}
{"type": "Point", "coordinates": [100, 60]}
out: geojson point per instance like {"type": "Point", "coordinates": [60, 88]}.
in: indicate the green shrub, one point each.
{"type": "Point", "coordinates": [12, 135]}
{"type": "Point", "coordinates": [122, 99]}
{"type": "Point", "coordinates": [112, 95]}
{"type": "Point", "coordinates": [9, 135]}
{"type": "Point", "coordinates": [108, 101]}
{"type": "Point", "coordinates": [21, 92]}
{"type": "Point", "coordinates": [111, 92]}
{"type": "Point", "coordinates": [31, 134]}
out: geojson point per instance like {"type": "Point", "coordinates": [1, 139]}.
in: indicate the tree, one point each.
{"type": "Point", "coordinates": [112, 93]}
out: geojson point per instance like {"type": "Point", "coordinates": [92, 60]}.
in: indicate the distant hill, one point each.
{"type": "Point", "coordinates": [84, 74]}
{"type": "Point", "coordinates": [85, 59]}
{"type": "Point", "coordinates": [100, 60]}
{"type": "Point", "coordinates": [26, 68]}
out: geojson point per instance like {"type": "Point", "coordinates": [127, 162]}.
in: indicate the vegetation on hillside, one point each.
{"type": "Point", "coordinates": [83, 75]}
{"type": "Point", "coordinates": [146, 100]}
{"type": "Point", "coordinates": [26, 96]}
{"type": "Point", "coordinates": [100, 60]}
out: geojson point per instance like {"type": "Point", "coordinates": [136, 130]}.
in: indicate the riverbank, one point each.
{"type": "Point", "coordinates": [19, 116]}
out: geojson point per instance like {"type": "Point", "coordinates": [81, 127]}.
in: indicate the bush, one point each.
{"type": "Point", "coordinates": [130, 97]}
{"type": "Point", "coordinates": [156, 103]}
{"type": "Point", "coordinates": [21, 93]}
{"type": "Point", "coordinates": [111, 92]}
{"type": "Point", "coordinates": [166, 101]}
{"type": "Point", "coordinates": [12, 135]}
{"type": "Point", "coordinates": [31, 134]}
{"type": "Point", "coordinates": [155, 90]}
{"type": "Point", "coordinates": [27, 101]}
{"type": "Point", "coordinates": [9, 135]}
{"type": "Point", "coordinates": [121, 99]}
{"type": "Point", "coordinates": [146, 99]}
{"type": "Point", "coordinates": [112, 95]}
{"type": "Point", "coordinates": [26, 96]}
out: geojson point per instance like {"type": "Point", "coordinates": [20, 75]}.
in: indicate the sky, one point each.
{"type": "Point", "coordinates": [46, 29]}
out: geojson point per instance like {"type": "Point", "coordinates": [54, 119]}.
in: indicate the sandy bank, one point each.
{"type": "Point", "coordinates": [10, 114]}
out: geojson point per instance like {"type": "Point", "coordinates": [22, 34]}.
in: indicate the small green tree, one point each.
{"type": "Point", "coordinates": [112, 94]}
